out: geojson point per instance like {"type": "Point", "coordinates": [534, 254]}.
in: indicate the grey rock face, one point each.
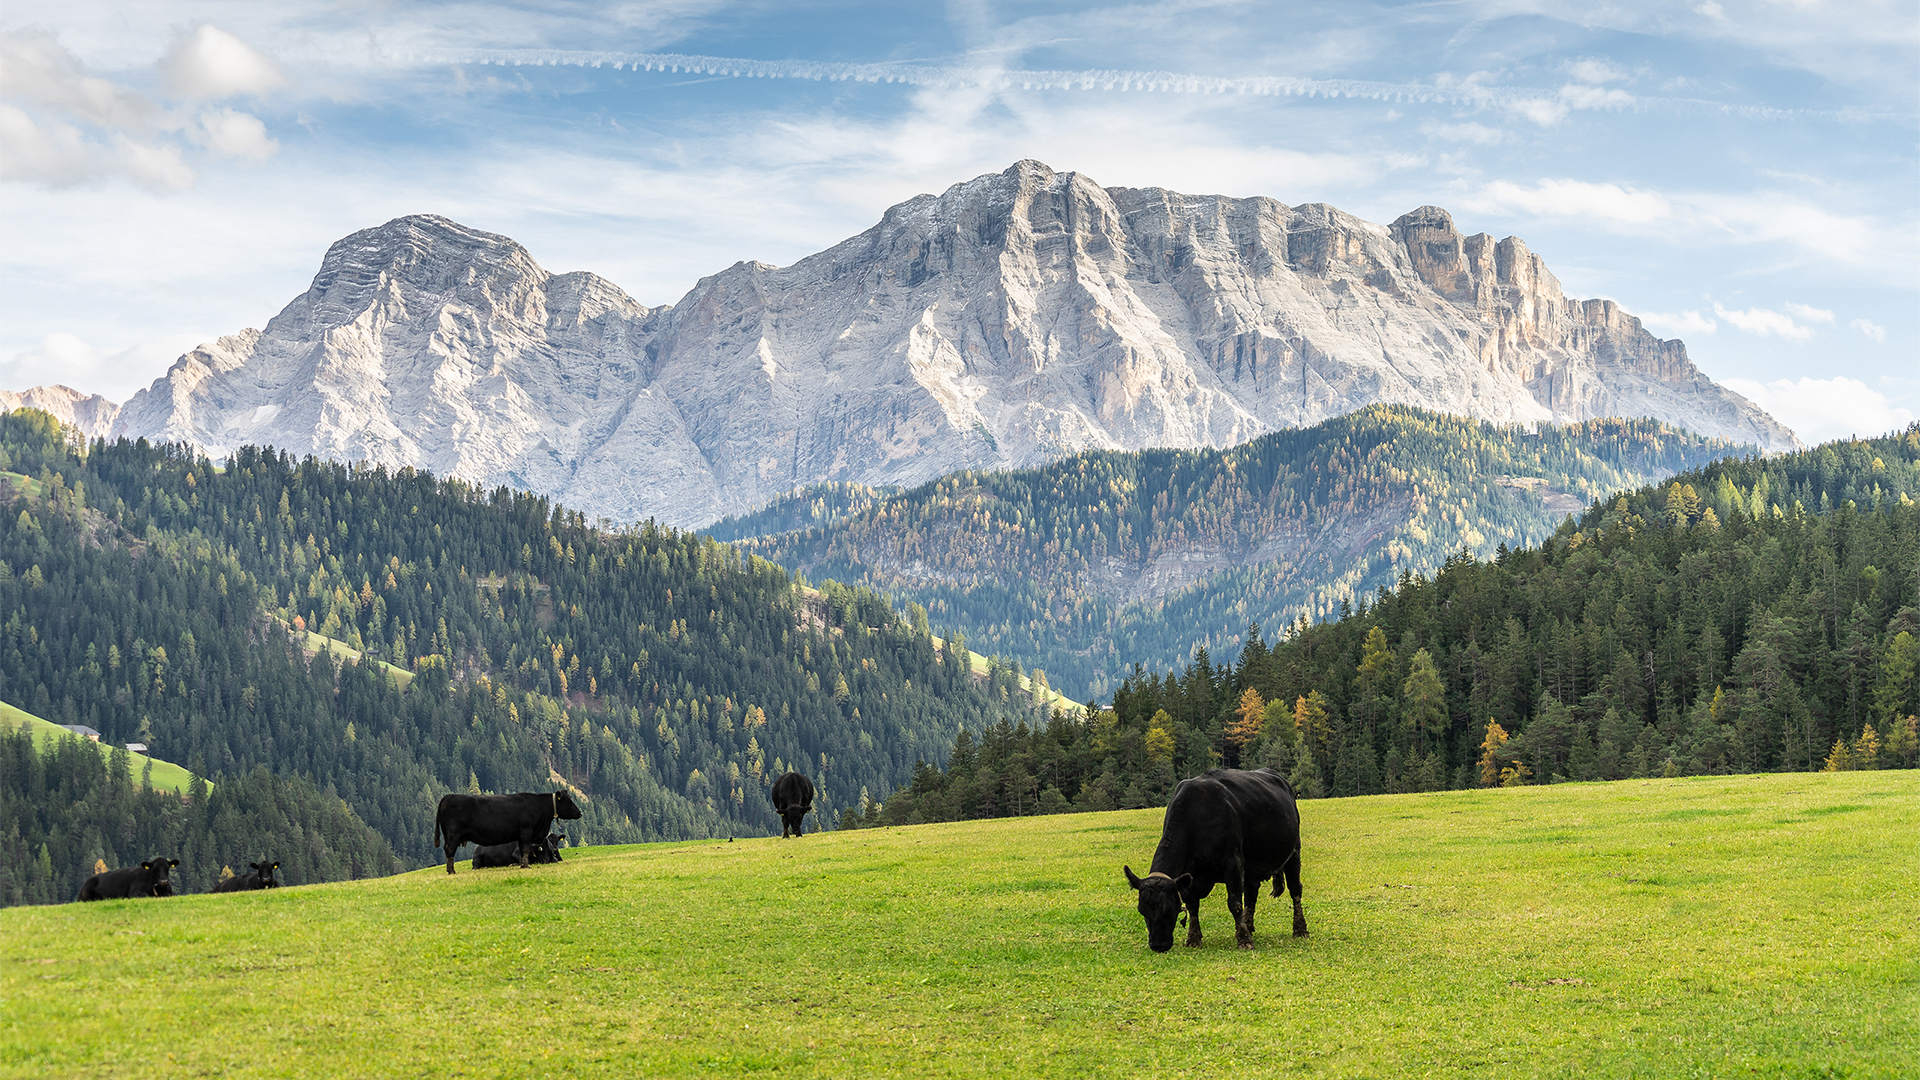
{"type": "Point", "coordinates": [91, 414]}
{"type": "Point", "coordinates": [1014, 319]}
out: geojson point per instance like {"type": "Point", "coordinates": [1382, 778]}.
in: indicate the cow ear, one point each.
{"type": "Point", "coordinates": [1131, 880]}
{"type": "Point", "coordinates": [1183, 881]}
{"type": "Point", "coordinates": [173, 862]}
{"type": "Point", "coordinates": [146, 866]}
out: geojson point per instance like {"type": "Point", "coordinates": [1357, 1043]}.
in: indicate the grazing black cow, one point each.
{"type": "Point", "coordinates": [147, 879]}
{"type": "Point", "coordinates": [544, 851]}
{"type": "Point", "coordinates": [520, 819]}
{"type": "Point", "coordinates": [261, 878]}
{"type": "Point", "coordinates": [1229, 827]}
{"type": "Point", "coordinates": [792, 800]}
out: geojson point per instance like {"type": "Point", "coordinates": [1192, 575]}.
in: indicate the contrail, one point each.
{"type": "Point", "coordinates": [1457, 93]}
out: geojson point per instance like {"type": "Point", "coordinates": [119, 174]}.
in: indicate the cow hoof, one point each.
{"type": "Point", "coordinates": [1247, 945]}
{"type": "Point", "coordinates": [1299, 931]}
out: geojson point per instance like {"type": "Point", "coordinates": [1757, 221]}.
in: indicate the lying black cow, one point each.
{"type": "Point", "coordinates": [261, 878]}
{"type": "Point", "coordinates": [519, 819]}
{"type": "Point", "coordinates": [544, 851]}
{"type": "Point", "coordinates": [1223, 827]}
{"type": "Point", "coordinates": [148, 879]}
{"type": "Point", "coordinates": [792, 800]}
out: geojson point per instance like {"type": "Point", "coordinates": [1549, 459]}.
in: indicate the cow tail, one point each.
{"type": "Point", "coordinates": [436, 830]}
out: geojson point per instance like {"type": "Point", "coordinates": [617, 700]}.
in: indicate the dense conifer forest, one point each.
{"type": "Point", "coordinates": [492, 640]}
{"type": "Point", "coordinates": [1754, 615]}
{"type": "Point", "coordinates": [1049, 566]}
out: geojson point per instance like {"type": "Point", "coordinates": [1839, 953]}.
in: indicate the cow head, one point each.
{"type": "Point", "coordinates": [794, 814]}
{"type": "Point", "coordinates": [565, 807]}
{"type": "Point", "coordinates": [555, 841]}
{"type": "Point", "coordinates": [265, 870]}
{"type": "Point", "coordinates": [1160, 904]}
{"type": "Point", "coordinates": [157, 873]}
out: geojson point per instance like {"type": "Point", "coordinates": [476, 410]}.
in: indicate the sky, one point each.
{"type": "Point", "coordinates": [1743, 176]}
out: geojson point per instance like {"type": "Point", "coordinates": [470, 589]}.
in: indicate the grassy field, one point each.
{"type": "Point", "coordinates": [1747, 926]}
{"type": "Point", "coordinates": [166, 775]}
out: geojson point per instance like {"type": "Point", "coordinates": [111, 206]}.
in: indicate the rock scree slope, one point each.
{"type": "Point", "coordinates": [1013, 319]}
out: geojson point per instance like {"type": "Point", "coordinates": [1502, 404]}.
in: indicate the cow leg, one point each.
{"type": "Point", "coordinates": [1236, 891]}
{"type": "Point", "coordinates": [1293, 888]}
{"type": "Point", "coordinates": [525, 846]}
{"type": "Point", "coordinates": [1193, 923]}
{"type": "Point", "coordinates": [1251, 900]}
{"type": "Point", "coordinates": [451, 848]}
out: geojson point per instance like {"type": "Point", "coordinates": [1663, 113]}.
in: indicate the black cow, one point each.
{"type": "Point", "coordinates": [261, 878]}
{"type": "Point", "coordinates": [544, 851]}
{"type": "Point", "coordinates": [147, 879]}
{"type": "Point", "coordinates": [1226, 827]}
{"type": "Point", "coordinates": [520, 819]}
{"type": "Point", "coordinates": [792, 800]}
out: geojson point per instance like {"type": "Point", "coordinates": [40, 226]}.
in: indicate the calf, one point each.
{"type": "Point", "coordinates": [1226, 827]}
{"type": "Point", "coordinates": [792, 800]}
{"type": "Point", "coordinates": [261, 878]}
{"type": "Point", "coordinates": [544, 851]}
{"type": "Point", "coordinates": [521, 819]}
{"type": "Point", "coordinates": [148, 879]}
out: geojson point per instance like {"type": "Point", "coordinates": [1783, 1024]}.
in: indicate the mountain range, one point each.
{"type": "Point", "coordinates": [1008, 322]}
{"type": "Point", "coordinates": [1088, 566]}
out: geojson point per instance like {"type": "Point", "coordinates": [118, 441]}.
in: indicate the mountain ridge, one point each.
{"type": "Point", "coordinates": [1011, 320]}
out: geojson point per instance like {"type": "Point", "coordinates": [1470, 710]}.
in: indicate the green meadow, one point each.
{"type": "Point", "coordinates": [166, 776]}
{"type": "Point", "coordinates": [1732, 926]}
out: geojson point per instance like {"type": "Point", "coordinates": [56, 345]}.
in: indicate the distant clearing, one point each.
{"type": "Point", "coordinates": [166, 775]}
{"type": "Point", "coordinates": [1626, 929]}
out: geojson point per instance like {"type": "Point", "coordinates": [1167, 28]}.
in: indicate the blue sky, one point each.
{"type": "Point", "coordinates": [1745, 176]}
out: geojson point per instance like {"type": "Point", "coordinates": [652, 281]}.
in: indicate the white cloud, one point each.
{"type": "Point", "coordinates": [1477, 134]}
{"type": "Point", "coordinates": [1869, 328]}
{"type": "Point", "coordinates": [1594, 97]}
{"type": "Point", "coordinates": [1684, 324]}
{"type": "Point", "coordinates": [1573, 198]}
{"type": "Point", "coordinates": [1820, 410]}
{"type": "Point", "coordinates": [1765, 322]}
{"type": "Point", "coordinates": [69, 360]}
{"type": "Point", "coordinates": [35, 69]}
{"type": "Point", "coordinates": [1808, 314]}
{"type": "Point", "coordinates": [1596, 71]}
{"type": "Point", "coordinates": [211, 63]}
{"type": "Point", "coordinates": [235, 134]}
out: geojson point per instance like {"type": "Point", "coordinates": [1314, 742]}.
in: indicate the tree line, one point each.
{"type": "Point", "coordinates": [503, 643]}
{"type": "Point", "coordinates": [1039, 564]}
{"type": "Point", "coordinates": [1757, 614]}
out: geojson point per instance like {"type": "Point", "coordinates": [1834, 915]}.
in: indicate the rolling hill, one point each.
{"type": "Point", "coordinates": [388, 637]}
{"type": "Point", "coordinates": [1088, 566]}
{"type": "Point", "coordinates": [1750, 925]}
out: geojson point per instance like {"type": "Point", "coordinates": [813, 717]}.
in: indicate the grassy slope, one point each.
{"type": "Point", "coordinates": [166, 775]}
{"type": "Point", "coordinates": [1753, 926]}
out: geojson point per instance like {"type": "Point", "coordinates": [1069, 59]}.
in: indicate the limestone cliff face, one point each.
{"type": "Point", "coordinates": [1013, 319]}
{"type": "Point", "coordinates": [91, 414]}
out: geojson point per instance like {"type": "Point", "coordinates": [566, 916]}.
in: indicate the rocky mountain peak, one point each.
{"type": "Point", "coordinates": [90, 414]}
{"type": "Point", "coordinates": [1013, 318]}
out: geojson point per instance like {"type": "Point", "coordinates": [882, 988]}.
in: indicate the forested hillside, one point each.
{"type": "Point", "coordinates": [667, 677]}
{"type": "Point", "coordinates": [1102, 560]}
{"type": "Point", "coordinates": [1753, 615]}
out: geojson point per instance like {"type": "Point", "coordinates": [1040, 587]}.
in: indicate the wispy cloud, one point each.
{"type": "Point", "coordinates": [1766, 322]}
{"type": "Point", "coordinates": [62, 125]}
{"type": "Point", "coordinates": [1681, 325]}
{"type": "Point", "coordinates": [1558, 198]}
{"type": "Point", "coordinates": [1477, 90]}
{"type": "Point", "coordinates": [1870, 328]}
{"type": "Point", "coordinates": [1821, 410]}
